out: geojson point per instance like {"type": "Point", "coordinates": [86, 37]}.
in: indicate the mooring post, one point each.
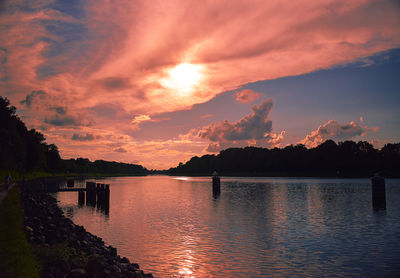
{"type": "Point", "coordinates": [106, 206]}
{"type": "Point", "coordinates": [101, 195]}
{"type": "Point", "coordinates": [81, 198]}
{"type": "Point", "coordinates": [91, 193]}
{"type": "Point", "coordinates": [378, 192]}
{"type": "Point", "coordinates": [98, 195]}
{"type": "Point", "coordinates": [216, 183]}
{"type": "Point", "coordinates": [107, 194]}
{"type": "Point", "coordinates": [70, 183]}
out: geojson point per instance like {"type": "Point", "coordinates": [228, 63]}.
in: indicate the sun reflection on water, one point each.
{"type": "Point", "coordinates": [187, 262]}
{"type": "Point", "coordinates": [182, 178]}
{"type": "Point", "coordinates": [186, 272]}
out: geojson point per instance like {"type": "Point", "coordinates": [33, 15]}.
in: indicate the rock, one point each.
{"type": "Point", "coordinates": [125, 260]}
{"type": "Point", "coordinates": [124, 266]}
{"type": "Point", "coordinates": [77, 273]}
{"type": "Point", "coordinates": [113, 251]}
{"type": "Point", "coordinates": [115, 268]}
{"type": "Point", "coordinates": [59, 268]}
{"type": "Point", "coordinates": [85, 254]}
{"type": "Point", "coordinates": [135, 266]}
{"type": "Point", "coordinates": [77, 262]}
{"type": "Point", "coordinates": [95, 266]}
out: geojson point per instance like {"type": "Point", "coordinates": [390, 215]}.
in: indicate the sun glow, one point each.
{"type": "Point", "coordinates": [184, 78]}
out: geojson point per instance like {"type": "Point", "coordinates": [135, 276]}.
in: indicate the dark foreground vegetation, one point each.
{"type": "Point", "coordinates": [25, 151]}
{"type": "Point", "coordinates": [17, 258]}
{"type": "Point", "coordinates": [346, 159]}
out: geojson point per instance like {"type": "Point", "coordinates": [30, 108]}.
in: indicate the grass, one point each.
{"type": "Point", "coordinates": [17, 258]}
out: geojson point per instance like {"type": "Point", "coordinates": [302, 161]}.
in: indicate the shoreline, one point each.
{"type": "Point", "coordinates": [65, 249]}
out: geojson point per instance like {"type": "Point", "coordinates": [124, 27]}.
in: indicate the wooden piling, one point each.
{"type": "Point", "coordinates": [98, 195]}
{"type": "Point", "coordinates": [216, 184]}
{"type": "Point", "coordinates": [106, 206]}
{"type": "Point", "coordinates": [91, 193]}
{"type": "Point", "coordinates": [378, 192]}
{"type": "Point", "coordinates": [81, 198]}
{"type": "Point", "coordinates": [70, 183]}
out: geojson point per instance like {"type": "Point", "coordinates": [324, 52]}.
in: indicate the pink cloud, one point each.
{"type": "Point", "coordinates": [129, 55]}
{"type": "Point", "coordinates": [254, 129]}
{"type": "Point", "coordinates": [253, 126]}
{"type": "Point", "coordinates": [276, 140]}
{"type": "Point", "coordinates": [335, 131]}
{"type": "Point", "coordinates": [245, 96]}
{"type": "Point", "coordinates": [113, 72]}
{"type": "Point", "coordinates": [379, 143]}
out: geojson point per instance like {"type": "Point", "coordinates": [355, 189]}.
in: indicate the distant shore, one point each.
{"type": "Point", "coordinates": [65, 249]}
{"type": "Point", "coordinates": [279, 175]}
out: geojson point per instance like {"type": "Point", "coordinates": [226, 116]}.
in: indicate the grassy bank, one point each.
{"type": "Point", "coordinates": [16, 254]}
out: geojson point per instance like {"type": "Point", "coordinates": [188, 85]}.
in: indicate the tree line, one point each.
{"type": "Point", "coordinates": [25, 151]}
{"type": "Point", "coordinates": [329, 159]}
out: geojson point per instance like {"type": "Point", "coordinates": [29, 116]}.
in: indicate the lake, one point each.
{"type": "Point", "coordinates": [256, 227]}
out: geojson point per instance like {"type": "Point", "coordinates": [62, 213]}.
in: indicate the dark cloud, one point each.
{"type": "Point", "coordinates": [120, 150]}
{"type": "Point", "coordinates": [59, 110]}
{"type": "Point", "coordinates": [252, 127]}
{"type": "Point", "coordinates": [3, 64]}
{"type": "Point", "coordinates": [110, 110]}
{"type": "Point", "coordinates": [115, 83]}
{"type": "Point", "coordinates": [58, 120]}
{"type": "Point", "coordinates": [30, 97]}
{"type": "Point", "coordinates": [83, 137]}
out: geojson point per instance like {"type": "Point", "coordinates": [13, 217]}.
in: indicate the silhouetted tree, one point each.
{"type": "Point", "coordinates": [346, 159]}
{"type": "Point", "coordinates": [26, 150]}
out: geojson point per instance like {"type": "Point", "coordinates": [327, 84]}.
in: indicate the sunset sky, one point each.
{"type": "Point", "coordinates": [157, 82]}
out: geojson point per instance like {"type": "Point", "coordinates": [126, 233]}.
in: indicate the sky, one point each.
{"type": "Point", "coordinates": [158, 82]}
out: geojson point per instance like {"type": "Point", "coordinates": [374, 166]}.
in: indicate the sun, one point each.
{"type": "Point", "coordinates": [184, 78]}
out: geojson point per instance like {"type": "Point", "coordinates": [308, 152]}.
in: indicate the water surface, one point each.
{"type": "Point", "coordinates": [256, 227]}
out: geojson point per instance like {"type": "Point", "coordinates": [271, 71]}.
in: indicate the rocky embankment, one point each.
{"type": "Point", "coordinates": [66, 249]}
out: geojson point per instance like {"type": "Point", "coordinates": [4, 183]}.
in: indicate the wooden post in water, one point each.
{"type": "Point", "coordinates": [98, 197]}
{"type": "Point", "coordinates": [107, 199]}
{"type": "Point", "coordinates": [216, 184]}
{"type": "Point", "coordinates": [81, 198]}
{"type": "Point", "coordinates": [378, 192]}
{"type": "Point", "coordinates": [91, 193]}
{"type": "Point", "coordinates": [70, 183]}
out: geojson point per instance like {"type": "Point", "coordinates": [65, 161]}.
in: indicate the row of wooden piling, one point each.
{"type": "Point", "coordinates": [97, 194]}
